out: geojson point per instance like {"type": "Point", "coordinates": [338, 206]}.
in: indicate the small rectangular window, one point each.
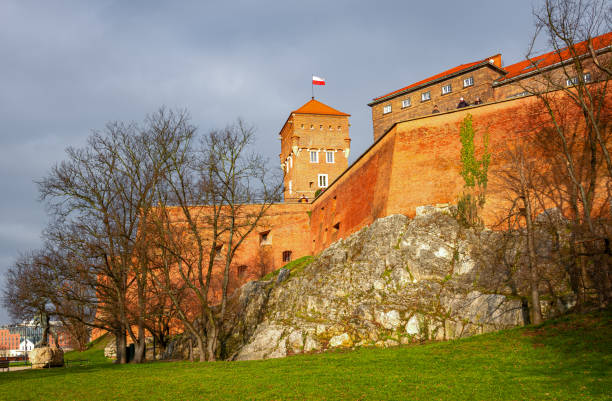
{"type": "Point", "coordinates": [587, 77]}
{"type": "Point", "coordinates": [425, 96]}
{"type": "Point", "coordinates": [446, 89]}
{"type": "Point", "coordinates": [314, 156]}
{"type": "Point", "coordinates": [406, 103]}
{"type": "Point", "coordinates": [329, 156]}
{"type": "Point", "coordinates": [264, 238]}
{"type": "Point", "coordinates": [322, 180]}
{"type": "Point", "coordinates": [242, 269]}
{"type": "Point", "coordinates": [572, 81]}
{"type": "Point", "coordinates": [286, 256]}
{"type": "Point", "coordinates": [387, 109]}
{"type": "Point", "coordinates": [468, 82]}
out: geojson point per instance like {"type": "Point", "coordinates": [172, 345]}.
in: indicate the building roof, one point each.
{"type": "Point", "coordinates": [494, 61]}
{"type": "Point", "coordinates": [316, 107]}
{"type": "Point", "coordinates": [549, 59]}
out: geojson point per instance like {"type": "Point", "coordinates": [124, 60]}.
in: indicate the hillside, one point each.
{"type": "Point", "coordinates": [565, 359]}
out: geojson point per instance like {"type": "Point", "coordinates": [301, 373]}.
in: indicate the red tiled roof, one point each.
{"type": "Point", "coordinates": [554, 57]}
{"type": "Point", "coordinates": [443, 74]}
{"type": "Point", "coordinates": [316, 107]}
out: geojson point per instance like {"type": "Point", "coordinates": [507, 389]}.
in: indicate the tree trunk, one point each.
{"type": "Point", "coordinates": [536, 310]}
{"type": "Point", "coordinates": [141, 345]}
{"type": "Point", "coordinates": [120, 343]}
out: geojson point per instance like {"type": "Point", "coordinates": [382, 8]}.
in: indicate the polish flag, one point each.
{"type": "Point", "coordinates": [318, 80]}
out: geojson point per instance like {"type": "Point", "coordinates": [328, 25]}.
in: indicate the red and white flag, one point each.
{"type": "Point", "coordinates": [318, 80]}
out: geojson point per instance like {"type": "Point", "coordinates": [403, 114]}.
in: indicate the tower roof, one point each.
{"type": "Point", "coordinates": [316, 107]}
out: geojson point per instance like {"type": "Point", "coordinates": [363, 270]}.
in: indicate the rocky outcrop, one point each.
{"type": "Point", "coordinates": [398, 281]}
{"type": "Point", "coordinates": [46, 357]}
{"type": "Point", "coordinates": [110, 351]}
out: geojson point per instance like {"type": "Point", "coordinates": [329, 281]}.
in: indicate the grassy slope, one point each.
{"type": "Point", "coordinates": [94, 352]}
{"type": "Point", "coordinates": [569, 358]}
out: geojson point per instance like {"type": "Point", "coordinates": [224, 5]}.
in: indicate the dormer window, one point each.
{"type": "Point", "coordinates": [447, 89]}
{"type": "Point", "coordinates": [387, 109]}
{"type": "Point", "coordinates": [468, 82]}
{"type": "Point", "coordinates": [425, 96]}
{"type": "Point", "coordinates": [406, 103]}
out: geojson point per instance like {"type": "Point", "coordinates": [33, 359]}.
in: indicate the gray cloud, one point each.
{"type": "Point", "coordinates": [68, 67]}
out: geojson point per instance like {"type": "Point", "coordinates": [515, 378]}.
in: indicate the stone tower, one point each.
{"type": "Point", "coordinates": [315, 146]}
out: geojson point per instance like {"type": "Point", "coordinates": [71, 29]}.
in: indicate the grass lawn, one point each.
{"type": "Point", "coordinates": [568, 358]}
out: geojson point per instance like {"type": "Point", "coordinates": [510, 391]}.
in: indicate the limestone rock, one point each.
{"type": "Point", "coordinates": [46, 357]}
{"type": "Point", "coordinates": [342, 340]}
{"type": "Point", "coordinates": [389, 320]}
{"type": "Point", "coordinates": [397, 281]}
{"type": "Point", "coordinates": [110, 351]}
{"type": "Point", "coordinates": [412, 327]}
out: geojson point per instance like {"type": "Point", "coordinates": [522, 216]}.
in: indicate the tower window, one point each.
{"type": "Point", "coordinates": [330, 128]}
{"type": "Point", "coordinates": [311, 126]}
{"type": "Point", "coordinates": [406, 103]}
{"type": "Point", "coordinates": [302, 126]}
{"type": "Point", "coordinates": [468, 82]}
{"type": "Point", "coordinates": [314, 156]}
{"type": "Point", "coordinates": [387, 109]}
{"type": "Point", "coordinates": [321, 127]}
{"type": "Point", "coordinates": [425, 96]}
{"type": "Point", "coordinates": [338, 128]}
{"type": "Point", "coordinates": [329, 156]}
{"type": "Point", "coordinates": [322, 180]}
{"type": "Point", "coordinates": [242, 269]}
{"type": "Point", "coordinates": [286, 256]}
{"type": "Point", "coordinates": [447, 89]}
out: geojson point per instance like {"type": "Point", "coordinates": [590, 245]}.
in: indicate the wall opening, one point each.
{"type": "Point", "coordinates": [242, 269]}
{"type": "Point", "coordinates": [286, 256]}
{"type": "Point", "coordinates": [264, 238]}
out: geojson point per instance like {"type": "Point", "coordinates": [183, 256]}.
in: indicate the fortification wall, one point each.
{"type": "Point", "coordinates": [416, 163]}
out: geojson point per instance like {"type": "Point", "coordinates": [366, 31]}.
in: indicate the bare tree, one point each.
{"type": "Point", "coordinates": [519, 178]}
{"type": "Point", "coordinates": [102, 195]}
{"type": "Point", "coordinates": [220, 192]}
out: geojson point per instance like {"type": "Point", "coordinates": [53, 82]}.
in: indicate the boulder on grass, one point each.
{"type": "Point", "coordinates": [46, 357]}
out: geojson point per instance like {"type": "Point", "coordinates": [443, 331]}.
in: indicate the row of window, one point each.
{"type": "Point", "coordinates": [574, 81]}
{"type": "Point", "coordinates": [321, 127]}
{"type": "Point", "coordinates": [425, 96]}
{"type": "Point", "coordinates": [329, 156]}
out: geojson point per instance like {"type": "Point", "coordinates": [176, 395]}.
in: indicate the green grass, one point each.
{"type": "Point", "coordinates": [94, 352]}
{"type": "Point", "coordinates": [565, 359]}
{"type": "Point", "coordinates": [295, 266]}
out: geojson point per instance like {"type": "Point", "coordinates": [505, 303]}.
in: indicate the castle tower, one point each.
{"type": "Point", "coordinates": [315, 147]}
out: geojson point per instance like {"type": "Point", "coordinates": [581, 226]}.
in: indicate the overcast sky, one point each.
{"type": "Point", "coordinates": [67, 67]}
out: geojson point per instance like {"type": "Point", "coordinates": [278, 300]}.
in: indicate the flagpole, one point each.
{"type": "Point", "coordinates": [312, 85]}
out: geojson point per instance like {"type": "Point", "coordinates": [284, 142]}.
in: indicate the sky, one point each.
{"type": "Point", "coordinates": [69, 67]}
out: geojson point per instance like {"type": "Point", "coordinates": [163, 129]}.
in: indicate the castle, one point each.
{"type": "Point", "coordinates": [414, 160]}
